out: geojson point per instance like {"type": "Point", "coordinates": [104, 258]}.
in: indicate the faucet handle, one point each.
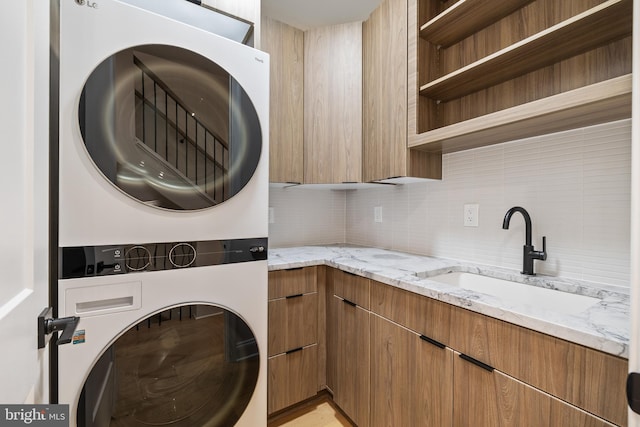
{"type": "Point", "coordinates": [544, 248]}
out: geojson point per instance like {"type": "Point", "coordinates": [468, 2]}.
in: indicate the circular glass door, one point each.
{"type": "Point", "coordinates": [169, 127]}
{"type": "Point", "coordinates": [189, 366]}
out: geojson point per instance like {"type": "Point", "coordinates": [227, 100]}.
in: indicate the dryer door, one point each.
{"type": "Point", "coordinates": [188, 366]}
{"type": "Point", "coordinates": [169, 127]}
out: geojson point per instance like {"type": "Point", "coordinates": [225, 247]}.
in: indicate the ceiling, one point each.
{"type": "Point", "coordinates": [307, 14]}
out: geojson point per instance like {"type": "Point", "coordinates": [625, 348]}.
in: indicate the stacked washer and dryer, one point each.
{"type": "Point", "coordinates": [163, 194]}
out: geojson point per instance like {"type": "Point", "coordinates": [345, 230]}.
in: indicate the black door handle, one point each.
{"type": "Point", "coordinates": [48, 325]}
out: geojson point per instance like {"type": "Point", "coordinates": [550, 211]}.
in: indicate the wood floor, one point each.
{"type": "Point", "coordinates": [319, 413]}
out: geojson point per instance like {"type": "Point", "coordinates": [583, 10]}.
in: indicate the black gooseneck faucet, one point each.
{"type": "Point", "coordinates": [529, 254]}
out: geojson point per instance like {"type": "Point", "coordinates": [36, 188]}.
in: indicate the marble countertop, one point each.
{"type": "Point", "coordinates": [604, 325]}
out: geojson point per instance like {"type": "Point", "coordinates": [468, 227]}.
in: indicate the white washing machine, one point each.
{"type": "Point", "coordinates": [163, 194]}
{"type": "Point", "coordinates": [183, 347]}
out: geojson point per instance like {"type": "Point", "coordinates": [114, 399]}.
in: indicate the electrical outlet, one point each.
{"type": "Point", "coordinates": [471, 215]}
{"type": "Point", "coordinates": [272, 215]}
{"type": "Point", "coordinates": [377, 214]}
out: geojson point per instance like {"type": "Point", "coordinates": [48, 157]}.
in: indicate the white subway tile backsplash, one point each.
{"type": "Point", "coordinates": [306, 216]}
{"type": "Point", "coordinates": [575, 185]}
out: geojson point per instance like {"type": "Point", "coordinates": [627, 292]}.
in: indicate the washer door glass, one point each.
{"type": "Point", "coordinates": [188, 366]}
{"type": "Point", "coordinates": [169, 127]}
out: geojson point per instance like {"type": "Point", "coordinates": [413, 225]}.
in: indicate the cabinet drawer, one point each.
{"type": "Point", "coordinates": [487, 399]}
{"type": "Point", "coordinates": [416, 312]}
{"type": "Point", "coordinates": [351, 287]}
{"type": "Point", "coordinates": [283, 283]}
{"type": "Point", "coordinates": [292, 378]}
{"type": "Point", "coordinates": [589, 379]}
{"type": "Point", "coordinates": [293, 323]}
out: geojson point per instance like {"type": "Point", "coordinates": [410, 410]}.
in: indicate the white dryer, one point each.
{"type": "Point", "coordinates": [163, 193]}
{"type": "Point", "coordinates": [163, 128]}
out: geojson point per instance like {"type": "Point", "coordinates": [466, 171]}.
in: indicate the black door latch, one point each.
{"type": "Point", "coordinates": [48, 325]}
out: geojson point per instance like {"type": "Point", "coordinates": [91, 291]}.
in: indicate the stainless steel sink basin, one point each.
{"type": "Point", "coordinates": [518, 293]}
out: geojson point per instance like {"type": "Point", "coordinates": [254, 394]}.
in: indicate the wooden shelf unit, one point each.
{"type": "Point", "coordinates": [543, 68]}
{"type": "Point", "coordinates": [464, 18]}
{"type": "Point", "coordinates": [597, 26]}
{"type": "Point", "coordinates": [597, 103]}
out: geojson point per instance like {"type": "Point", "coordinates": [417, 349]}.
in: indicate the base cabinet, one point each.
{"type": "Point", "coordinates": [348, 343]}
{"type": "Point", "coordinates": [396, 358]}
{"type": "Point", "coordinates": [489, 398]}
{"type": "Point", "coordinates": [410, 378]}
{"type": "Point", "coordinates": [293, 337]}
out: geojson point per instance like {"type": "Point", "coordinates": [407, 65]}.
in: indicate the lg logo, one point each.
{"type": "Point", "coordinates": [87, 3]}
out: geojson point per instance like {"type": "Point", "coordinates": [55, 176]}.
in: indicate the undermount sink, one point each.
{"type": "Point", "coordinates": [518, 293]}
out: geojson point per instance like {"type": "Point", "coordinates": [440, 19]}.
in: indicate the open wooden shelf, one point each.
{"type": "Point", "coordinates": [466, 17]}
{"type": "Point", "coordinates": [607, 22]}
{"type": "Point", "coordinates": [597, 103]}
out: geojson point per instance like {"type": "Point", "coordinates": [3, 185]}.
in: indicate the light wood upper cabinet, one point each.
{"type": "Point", "coordinates": [285, 45]}
{"type": "Point", "coordinates": [385, 152]}
{"type": "Point", "coordinates": [333, 104]}
{"type": "Point", "coordinates": [483, 72]}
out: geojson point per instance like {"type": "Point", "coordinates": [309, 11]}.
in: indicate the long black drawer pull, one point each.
{"type": "Point", "coordinates": [295, 350]}
{"type": "Point", "coordinates": [432, 341]}
{"type": "Point", "coordinates": [293, 296]}
{"type": "Point", "coordinates": [476, 362]}
{"type": "Point", "coordinates": [352, 304]}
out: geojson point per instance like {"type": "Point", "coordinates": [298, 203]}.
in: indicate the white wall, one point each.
{"type": "Point", "coordinates": [575, 185]}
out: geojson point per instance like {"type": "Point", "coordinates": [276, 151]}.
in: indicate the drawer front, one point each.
{"type": "Point", "coordinates": [423, 315]}
{"type": "Point", "coordinates": [488, 399]}
{"type": "Point", "coordinates": [293, 323]}
{"type": "Point", "coordinates": [352, 288]}
{"type": "Point", "coordinates": [292, 378]}
{"type": "Point", "coordinates": [283, 283]}
{"type": "Point", "coordinates": [553, 365]}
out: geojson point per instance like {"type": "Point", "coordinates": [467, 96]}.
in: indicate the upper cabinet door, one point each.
{"type": "Point", "coordinates": [333, 104]}
{"type": "Point", "coordinates": [285, 45]}
{"type": "Point", "coordinates": [385, 109]}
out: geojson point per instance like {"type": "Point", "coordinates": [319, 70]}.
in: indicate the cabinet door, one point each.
{"type": "Point", "coordinates": [285, 45]}
{"type": "Point", "coordinates": [484, 398]}
{"type": "Point", "coordinates": [411, 379]}
{"type": "Point", "coordinates": [333, 104]}
{"type": "Point", "coordinates": [292, 378]}
{"type": "Point", "coordinates": [350, 360]}
{"type": "Point", "coordinates": [584, 377]}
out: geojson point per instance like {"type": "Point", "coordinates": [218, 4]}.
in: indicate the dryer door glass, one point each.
{"type": "Point", "coordinates": [169, 127]}
{"type": "Point", "coordinates": [188, 366]}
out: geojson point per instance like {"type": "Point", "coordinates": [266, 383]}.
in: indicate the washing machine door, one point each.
{"type": "Point", "coordinates": [188, 366]}
{"type": "Point", "coordinates": [169, 127]}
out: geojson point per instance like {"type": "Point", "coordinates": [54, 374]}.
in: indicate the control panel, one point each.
{"type": "Point", "coordinates": [88, 261]}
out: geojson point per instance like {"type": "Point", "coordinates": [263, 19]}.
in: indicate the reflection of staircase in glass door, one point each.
{"type": "Point", "coordinates": [169, 132]}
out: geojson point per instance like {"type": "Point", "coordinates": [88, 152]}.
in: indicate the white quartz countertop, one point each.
{"type": "Point", "coordinates": [603, 326]}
